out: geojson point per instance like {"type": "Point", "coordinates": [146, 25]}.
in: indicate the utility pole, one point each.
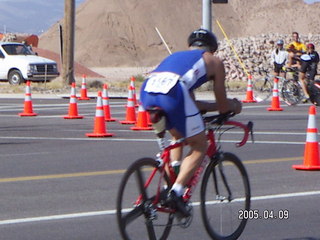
{"type": "Point", "coordinates": [207, 12]}
{"type": "Point", "coordinates": [206, 15]}
{"type": "Point", "coordinates": [68, 42]}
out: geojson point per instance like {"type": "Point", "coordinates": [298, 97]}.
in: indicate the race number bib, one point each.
{"type": "Point", "coordinates": [161, 82]}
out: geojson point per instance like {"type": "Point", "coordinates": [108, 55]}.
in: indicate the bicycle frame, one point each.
{"type": "Point", "coordinates": [211, 154]}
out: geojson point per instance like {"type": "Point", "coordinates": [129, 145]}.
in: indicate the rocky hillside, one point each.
{"type": "Point", "coordinates": [122, 33]}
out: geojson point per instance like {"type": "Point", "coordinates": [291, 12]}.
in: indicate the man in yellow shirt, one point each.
{"type": "Point", "coordinates": [295, 49]}
{"type": "Point", "coordinates": [299, 46]}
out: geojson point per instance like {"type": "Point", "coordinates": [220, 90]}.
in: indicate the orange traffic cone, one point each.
{"type": "Point", "coordinates": [249, 98]}
{"type": "Point", "coordinates": [83, 92]}
{"type": "Point", "coordinates": [275, 104]}
{"type": "Point", "coordinates": [73, 107]}
{"type": "Point", "coordinates": [105, 104]}
{"type": "Point", "coordinates": [311, 151]}
{"type": "Point", "coordinates": [28, 111]}
{"type": "Point", "coordinates": [132, 84]}
{"type": "Point", "coordinates": [131, 111]}
{"type": "Point", "coordinates": [99, 129]}
{"type": "Point", "coordinates": [142, 123]}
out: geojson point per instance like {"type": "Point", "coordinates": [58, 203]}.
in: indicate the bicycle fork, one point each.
{"type": "Point", "coordinates": [224, 180]}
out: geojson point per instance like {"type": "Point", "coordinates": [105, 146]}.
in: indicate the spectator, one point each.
{"type": "Point", "coordinates": [279, 58]}
{"type": "Point", "coordinates": [296, 48]}
{"type": "Point", "coordinates": [298, 45]}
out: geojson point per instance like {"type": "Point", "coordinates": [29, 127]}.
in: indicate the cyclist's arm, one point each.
{"type": "Point", "coordinates": [216, 73]}
{"type": "Point", "coordinates": [204, 106]}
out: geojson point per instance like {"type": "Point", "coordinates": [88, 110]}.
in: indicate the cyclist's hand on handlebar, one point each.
{"type": "Point", "coordinates": [235, 105]}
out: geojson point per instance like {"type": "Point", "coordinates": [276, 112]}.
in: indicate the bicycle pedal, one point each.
{"type": "Point", "coordinates": [185, 222]}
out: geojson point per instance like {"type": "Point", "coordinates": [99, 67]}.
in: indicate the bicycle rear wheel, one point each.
{"type": "Point", "coordinates": [262, 88]}
{"type": "Point", "coordinates": [313, 88]}
{"type": "Point", "coordinates": [137, 213]}
{"type": "Point", "coordinates": [291, 92]}
{"type": "Point", "coordinates": [225, 191]}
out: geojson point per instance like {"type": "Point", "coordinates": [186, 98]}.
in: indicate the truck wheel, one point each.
{"type": "Point", "coordinates": [15, 77]}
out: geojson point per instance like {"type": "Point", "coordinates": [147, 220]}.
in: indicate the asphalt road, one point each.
{"type": "Point", "coordinates": [56, 183]}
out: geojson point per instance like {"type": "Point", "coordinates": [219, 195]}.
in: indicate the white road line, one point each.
{"type": "Point", "coordinates": [138, 140]}
{"type": "Point", "coordinates": [112, 212]}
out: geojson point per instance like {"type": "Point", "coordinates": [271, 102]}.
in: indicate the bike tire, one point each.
{"type": "Point", "coordinates": [262, 88]}
{"type": "Point", "coordinates": [314, 92]}
{"type": "Point", "coordinates": [133, 218]}
{"type": "Point", "coordinates": [291, 92]}
{"type": "Point", "coordinates": [221, 215]}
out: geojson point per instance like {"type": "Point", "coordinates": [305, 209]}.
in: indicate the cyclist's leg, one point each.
{"type": "Point", "coordinates": [191, 126]}
{"type": "Point", "coordinates": [198, 146]}
{"type": "Point", "coordinates": [302, 77]}
{"type": "Point", "coordinates": [312, 73]}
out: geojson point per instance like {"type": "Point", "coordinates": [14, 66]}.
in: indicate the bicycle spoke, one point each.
{"type": "Point", "coordinates": [230, 183]}
{"type": "Point", "coordinates": [132, 215]}
{"type": "Point", "coordinates": [141, 182]}
{"type": "Point", "coordinates": [224, 179]}
{"type": "Point", "coordinates": [151, 233]}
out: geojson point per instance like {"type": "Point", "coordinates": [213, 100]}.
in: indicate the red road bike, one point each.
{"type": "Point", "coordinates": [224, 193]}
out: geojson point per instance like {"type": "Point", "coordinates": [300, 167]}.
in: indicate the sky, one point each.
{"type": "Point", "coordinates": [37, 16]}
{"type": "Point", "coordinates": [311, 1]}
{"type": "Point", "coordinates": [30, 16]}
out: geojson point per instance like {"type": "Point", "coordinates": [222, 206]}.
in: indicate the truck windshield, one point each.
{"type": "Point", "coordinates": [17, 49]}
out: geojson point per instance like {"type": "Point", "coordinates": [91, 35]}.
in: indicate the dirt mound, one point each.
{"type": "Point", "coordinates": [80, 70]}
{"type": "Point", "coordinates": [122, 33]}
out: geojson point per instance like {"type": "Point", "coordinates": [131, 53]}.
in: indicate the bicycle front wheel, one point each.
{"type": "Point", "coordinates": [291, 92]}
{"type": "Point", "coordinates": [137, 213]}
{"type": "Point", "coordinates": [225, 192]}
{"type": "Point", "coordinates": [262, 88]}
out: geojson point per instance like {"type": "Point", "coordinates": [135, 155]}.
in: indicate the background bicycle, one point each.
{"type": "Point", "coordinates": [289, 87]}
{"type": "Point", "coordinates": [292, 92]}
{"type": "Point", "coordinates": [263, 86]}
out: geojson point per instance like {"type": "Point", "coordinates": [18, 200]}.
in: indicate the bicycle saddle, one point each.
{"type": "Point", "coordinates": [158, 120]}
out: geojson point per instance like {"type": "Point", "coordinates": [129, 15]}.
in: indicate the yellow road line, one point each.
{"type": "Point", "coordinates": [110, 172]}
{"type": "Point", "coordinates": [57, 176]}
{"type": "Point", "coordinates": [272, 160]}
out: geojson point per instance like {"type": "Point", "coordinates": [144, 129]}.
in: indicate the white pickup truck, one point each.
{"type": "Point", "coordinates": [18, 64]}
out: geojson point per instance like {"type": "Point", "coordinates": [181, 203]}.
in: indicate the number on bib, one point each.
{"type": "Point", "coordinates": [161, 82]}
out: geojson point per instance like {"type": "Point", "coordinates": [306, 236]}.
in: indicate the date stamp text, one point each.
{"type": "Point", "coordinates": [281, 214]}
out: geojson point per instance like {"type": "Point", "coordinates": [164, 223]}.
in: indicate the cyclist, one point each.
{"type": "Point", "coordinates": [305, 61]}
{"type": "Point", "coordinates": [308, 64]}
{"type": "Point", "coordinates": [314, 60]}
{"type": "Point", "coordinates": [279, 58]}
{"type": "Point", "coordinates": [170, 86]}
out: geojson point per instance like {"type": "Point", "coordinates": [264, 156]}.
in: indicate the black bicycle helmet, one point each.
{"type": "Point", "coordinates": [203, 38]}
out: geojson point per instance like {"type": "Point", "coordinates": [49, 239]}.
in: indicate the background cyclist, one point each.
{"type": "Point", "coordinates": [314, 60]}
{"type": "Point", "coordinates": [308, 62]}
{"type": "Point", "coordinates": [170, 87]}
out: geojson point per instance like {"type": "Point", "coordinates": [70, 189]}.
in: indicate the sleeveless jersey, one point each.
{"type": "Point", "coordinates": [189, 65]}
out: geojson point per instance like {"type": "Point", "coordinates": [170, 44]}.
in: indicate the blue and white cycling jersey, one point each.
{"type": "Point", "coordinates": [189, 65]}
{"type": "Point", "coordinates": [168, 87]}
